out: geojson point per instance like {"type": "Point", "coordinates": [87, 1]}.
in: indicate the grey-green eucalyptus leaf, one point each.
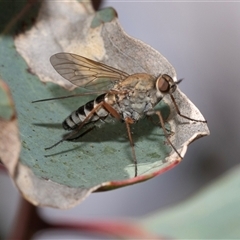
{"type": "Point", "coordinates": [101, 160]}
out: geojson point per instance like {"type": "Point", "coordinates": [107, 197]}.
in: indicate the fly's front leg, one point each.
{"type": "Point", "coordinates": [179, 113]}
{"type": "Point", "coordinates": [158, 113]}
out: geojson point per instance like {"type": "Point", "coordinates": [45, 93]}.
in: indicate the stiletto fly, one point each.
{"type": "Point", "coordinates": [125, 97]}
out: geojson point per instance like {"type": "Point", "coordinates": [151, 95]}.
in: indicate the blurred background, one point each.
{"type": "Point", "coordinates": [202, 41]}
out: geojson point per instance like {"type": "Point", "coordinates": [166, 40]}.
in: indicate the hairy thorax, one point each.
{"type": "Point", "coordinates": [134, 96]}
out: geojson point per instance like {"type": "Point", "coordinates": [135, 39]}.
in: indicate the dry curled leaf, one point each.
{"type": "Point", "coordinates": [9, 133]}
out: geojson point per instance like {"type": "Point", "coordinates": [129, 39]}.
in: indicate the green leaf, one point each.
{"type": "Point", "coordinates": [102, 159]}
{"type": "Point", "coordinates": [102, 16]}
{"type": "Point", "coordinates": [213, 213]}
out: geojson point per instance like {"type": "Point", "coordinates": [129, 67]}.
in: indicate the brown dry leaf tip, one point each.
{"type": "Point", "coordinates": [9, 134]}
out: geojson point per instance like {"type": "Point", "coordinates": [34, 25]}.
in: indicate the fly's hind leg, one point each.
{"type": "Point", "coordinates": [73, 138]}
{"type": "Point", "coordinates": [72, 135]}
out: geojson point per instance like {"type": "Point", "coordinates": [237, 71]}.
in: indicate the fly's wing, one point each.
{"type": "Point", "coordinates": [84, 72]}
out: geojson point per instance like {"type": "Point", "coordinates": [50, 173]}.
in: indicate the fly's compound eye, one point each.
{"type": "Point", "coordinates": [165, 84]}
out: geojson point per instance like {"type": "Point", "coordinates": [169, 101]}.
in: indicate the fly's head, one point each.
{"type": "Point", "coordinates": [165, 84]}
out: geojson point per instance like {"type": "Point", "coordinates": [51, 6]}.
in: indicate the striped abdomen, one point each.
{"type": "Point", "coordinates": [78, 116]}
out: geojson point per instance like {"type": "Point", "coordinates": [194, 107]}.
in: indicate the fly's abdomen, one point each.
{"type": "Point", "coordinates": [85, 111]}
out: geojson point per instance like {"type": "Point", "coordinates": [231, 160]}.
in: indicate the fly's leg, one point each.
{"type": "Point", "coordinates": [130, 121]}
{"type": "Point", "coordinates": [81, 135]}
{"type": "Point", "coordinates": [158, 113]}
{"type": "Point", "coordinates": [71, 135]}
{"type": "Point", "coordinates": [179, 113]}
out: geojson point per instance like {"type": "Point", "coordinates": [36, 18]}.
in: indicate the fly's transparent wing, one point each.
{"type": "Point", "coordinates": [84, 72]}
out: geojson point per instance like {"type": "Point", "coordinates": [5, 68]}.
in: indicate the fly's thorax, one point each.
{"type": "Point", "coordinates": [138, 81]}
{"type": "Point", "coordinates": [134, 96]}
{"type": "Point", "coordinates": [139, 87]}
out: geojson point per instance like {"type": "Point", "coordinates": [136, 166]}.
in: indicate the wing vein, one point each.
{"type": "Point", "coordinates": [84, 72]}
